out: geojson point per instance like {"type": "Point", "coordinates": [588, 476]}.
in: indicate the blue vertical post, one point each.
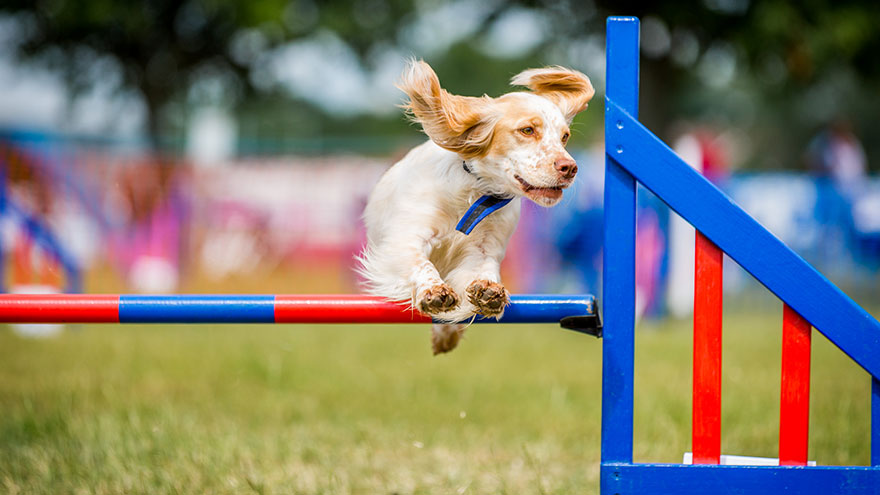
{"type": "Point", "coordinates": [618, 290]}
{"type": "Point", "coordinates": [875, 421]}
{"type": "Point", "coordinates": [74, 283]}
{"type": "Point", "coordinates": [3, 213]}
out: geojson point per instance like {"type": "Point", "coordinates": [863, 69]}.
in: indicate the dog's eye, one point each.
{"type": "Point", "coordinates": [565, 138]}
{"type": "Point", "coordinates": [528, 131]}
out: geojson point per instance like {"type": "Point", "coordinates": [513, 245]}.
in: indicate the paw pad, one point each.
{"type": "Point", "coordinates": [438, 299]}
{"type": "Point", "coordinates": [489, 298]}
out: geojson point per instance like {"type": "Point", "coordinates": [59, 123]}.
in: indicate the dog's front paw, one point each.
{"type": "Point", "coordinates": [489, 298]}
{"type": "Point", "coordinates": [438, 299]}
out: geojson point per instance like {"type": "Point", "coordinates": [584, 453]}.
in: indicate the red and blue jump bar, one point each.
{"type": "Point", "coordinates": [90, 308]}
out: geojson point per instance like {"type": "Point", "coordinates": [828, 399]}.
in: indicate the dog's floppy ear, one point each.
{"type": "Point", "coordinates": [462, 124]}
{"type": "Point", "coordinates": [568, 89]}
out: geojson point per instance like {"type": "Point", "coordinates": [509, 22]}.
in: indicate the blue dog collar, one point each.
{"type": "Point", "coordinates": [481, 208]}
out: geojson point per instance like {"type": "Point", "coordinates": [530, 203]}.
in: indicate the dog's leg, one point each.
{"type": "Point", "coordinates": [445, 336]}
{"type": "Point", "coordinates": [432, 295]}
{"type": "Point", "coordinates": [479, 277]}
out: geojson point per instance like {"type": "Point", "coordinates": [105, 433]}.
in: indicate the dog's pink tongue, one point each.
{"type": "Point", "coordinates": [539, 193]}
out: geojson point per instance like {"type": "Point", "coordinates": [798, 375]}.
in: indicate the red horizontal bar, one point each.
{"type": "Point", "coordinates": [706, 428]}
{"type": "Point", "coordinates": [268, 308]}
{"type": "Point", "coordinates": [60, 308]}
{"type": "Point", "coordinates": [335, 308]}
{"type": "Point", "coordinates": [794, 409]}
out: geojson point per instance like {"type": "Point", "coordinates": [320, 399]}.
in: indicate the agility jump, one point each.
{"type": "Point", "coordinates": [635, 155]}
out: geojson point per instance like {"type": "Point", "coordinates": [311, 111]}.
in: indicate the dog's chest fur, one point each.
{"type": "Point", "coordinates": [422, 198]}
{"type": "Point", "coordinates": [449, 246]}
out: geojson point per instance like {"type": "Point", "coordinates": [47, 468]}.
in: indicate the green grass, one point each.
{"type": "Point", "coordinates": [360, 409]}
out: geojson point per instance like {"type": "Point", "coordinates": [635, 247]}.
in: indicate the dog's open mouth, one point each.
{"type": "Point", "coordinates": [540, 194]}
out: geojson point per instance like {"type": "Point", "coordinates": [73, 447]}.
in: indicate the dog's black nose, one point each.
{"type": "Point", "coordinates": [567, 167]}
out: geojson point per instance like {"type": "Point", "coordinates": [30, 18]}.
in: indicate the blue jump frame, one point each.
{"type": "Point", "coordinates": [634, 155]}
{"type": "Point", "coordinates": [41, 234]}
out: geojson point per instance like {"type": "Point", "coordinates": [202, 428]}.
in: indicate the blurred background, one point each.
{"type": "Point", "coordinates": [230, 146]}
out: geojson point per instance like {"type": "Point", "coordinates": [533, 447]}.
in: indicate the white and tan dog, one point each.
{"type": "Point", "coordinates": [482, 151]}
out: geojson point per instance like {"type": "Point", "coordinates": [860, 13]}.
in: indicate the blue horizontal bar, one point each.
{"type": "Point", "coordinates": [680, 479]}
{"type": "Point", "coordinates": [185, 308]}
{"type": "Point", "coordinates": [544, 308]}
{"type": "Point", "coordinates": [197, 309]}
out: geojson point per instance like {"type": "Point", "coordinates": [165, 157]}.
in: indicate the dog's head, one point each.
{"type": "Point", "coordinates": [515, 143]}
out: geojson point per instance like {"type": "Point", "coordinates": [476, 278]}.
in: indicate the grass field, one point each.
{"type": "Point", "coordinates": [360, 409]}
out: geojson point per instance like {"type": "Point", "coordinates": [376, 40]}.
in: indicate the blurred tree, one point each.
{"type": "Point", "coordinates": [774, 68]}
{"type": "Point", "coordinates": [159, 46]}
{"type": "Point", "coordinates": [767, 63]}
{"type": "Point", "coordinates": [163, 47]}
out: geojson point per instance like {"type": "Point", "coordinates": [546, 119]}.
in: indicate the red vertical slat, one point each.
{"type": "Point", "coordinates": [22, 263]}
{"type": "Point", "coordinates": [794, 409]}
{"type": "Point", "coordinates": [707, 352]}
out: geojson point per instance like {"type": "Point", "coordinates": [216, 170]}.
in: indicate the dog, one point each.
{"type": "Point", "coordinates": [439, 220]}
